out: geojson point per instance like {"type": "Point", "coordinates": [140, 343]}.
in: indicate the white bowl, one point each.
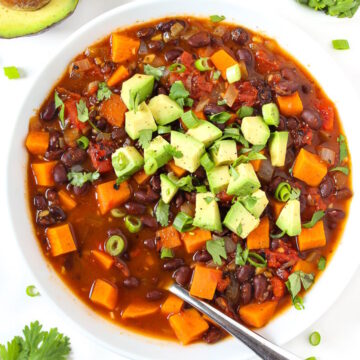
{"type": "Point", "coordinates": [132, 345]}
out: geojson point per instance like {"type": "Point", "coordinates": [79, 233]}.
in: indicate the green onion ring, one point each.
{"type": "Point", "coordinates": [177, 68]}
{"type": "Point", "coordinates": [117, 213]}
{"type": "Point", "coordinates": [283, 191]}
{"type": "Point", "coordinates": [32, 291]}
{"type": "Point", "coordinates": [115, 245]}
{"type": "Point", "coordinates": [133, 224]}
{"type": "Point", "coordinates": [202, 64]}
{"type": "Point", "coordinates": [263, 262]}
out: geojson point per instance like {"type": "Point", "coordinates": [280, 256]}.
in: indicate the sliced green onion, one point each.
{"type": "Point", "coordinates": [115, 245]}
{"type": "Point", "coordinates": [190, 119]}
{"type": "Point", "coordinates": [117, 213]}
{"type": "Point", "coordinates": [314, 338]}
{"type": "Point", "coordinates": [177, 68]}
{"type": "Point", "coordinates": [216, 74]}
{"type": "Point", "coordinates": [166, 253]}
{"type": "Point", "coordinates": [183, 222]}
{"type": "Point", "coordinates": [201, 189]}
{"type": "Point", "coordinates": [133, 223]}
{"type": "Point", "coordinates": [206, 162]}
{"type": "Point", "coordinates": [311, 358]}
{"type": "Point", "coordinates": [321, 263]}
{"type": "Point", "coordinates": [32, 291]}
{"type": "Point", "coordinates": [220, 118]}
{"type": "Point", "coordinates": [262, 263]}
{"type": "Point", "coordinates": [202, 64]}
{"type": "Point", "coordinates": [298, 303]}
{"type": "Point", "coordinates": [83, 142]}
{"type": "Point", "coordinates": [340, 44]}
{"type": "Point", "coordinates": [244, 111]}
{"type": "Point", "coordinates": [277, 236]}
{"type": "Point", "coordinates": [342, 169]}
{"type": "Point", "coordinates": [217, 18]}
{"type": "Point", "coordinates": [317, 216]}
{"type": "Point", "coordinates": [222, 102]}
{"type": "Point", "coordinates": [283, 192]}
{"type": "Point", "coordinates": [11, 72]}
{"type": "Point", "coordinates": [151, 166]}
{"type": "Point", "coordinates": [233, 73]}
{"type": "Point", "coordinates": [163, 129]}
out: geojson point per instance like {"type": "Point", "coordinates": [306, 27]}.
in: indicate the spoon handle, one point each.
{"type": "Point", "coordinates": [262, 347]}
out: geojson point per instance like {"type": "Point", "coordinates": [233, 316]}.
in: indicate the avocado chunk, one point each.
{"type": "Point", "coordinates": [168, 189]}
{"type": "Point", "coordinates": [277, 147]}
{"type": "Point", "coordinates": [240, 221]}
{"type": "Point", "coordinates": [271, 114]}
{"type": "Point", "coordinates": [243, 180]}
{"type": "Point", "coordinates": [207, 214]}
{"type": "Point", "coordinates": [15, 23]}
{"type": "Point", "coordinates": [289, 219]}
{"type": "Point", "coordinates": [206, 132]}
{"type": "Point", "coordinates": [164, 109]}
{"type": "Point", "coordinates": [255, 130]}
{"type": "Point", "coordinates": [158, 150]}
{"type": "Point", "coordinates": [218, 178]}
{"type": "Point", "coordinates": [255, 203]}
{"type": "Point", "coordinates": [136, 89]}
{"type": "Point", "coordinates": [190, 148]}
{"type": "Point", "coordinates": [224, 152]}
{"type": "Point", "coordinates": [126, 161]}
{"type": "Point", "coordinates": [142, 119]}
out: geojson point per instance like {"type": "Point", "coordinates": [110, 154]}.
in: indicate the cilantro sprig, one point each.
{"type": "Point", "coordinates": [80, 178]}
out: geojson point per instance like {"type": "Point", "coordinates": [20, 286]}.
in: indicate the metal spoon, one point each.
{"type": "Point", "coordinates": [262, 347]}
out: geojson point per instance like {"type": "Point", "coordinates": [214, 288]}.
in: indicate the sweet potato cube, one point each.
{"type": "Point", "coordinates": [123, 47]}
{"type": "Point", "coordinates": [304, 266]}
{"type": "Point", "coordinates": [277, 206]}
{"type": "Point", "coordinates": [188, 325]}
{"type": "Point", "coordinates": [66, 200]}
{"type": "Point", "coordinates": [43, 173]}
{"type": "Point", "coordinates": [113, 110]}
{"type": "Point", "coordinates": [169, 237]}
{"type": "Point", "coordinates": [141, 177]}
{"type": "Point", "coordinates": [136, 310]}
{"type": "Point", "coordinates": [178, 171]}
{"type": "Point", "coordinates": [222, 60]}
{"type": "Point", "coordinates": [120, 74]}
{"type": "Point", "coordinates": [104, 293]}
{"type": "Point", "coordinates": [290, 105]}
{"type": "Point", "coordinates": [109, 197]}
{"type": "Point", "coordinates": [313, 237]}
{"type": "Point", "coordinates": [257, 315]}
{"type": "Point", "coordinates": [37, 142]}
{"type": "Point", "coordinates": [105, 260]}
{"type": "Point", "coordinates": [195, 239]}
{"type": "Point", "coordinates": [172, 305]}
{"type": "Point", "coordinates": [259, 238]}
{"type": "Point", "coordinates": [204, 282]}
{"type": "Point", "coordinates": [61, 239]}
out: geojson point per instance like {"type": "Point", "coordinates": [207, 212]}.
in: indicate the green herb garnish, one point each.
{"type": "Point", "coordinates": [220, 118]}
{"type": "Point", "coordinates": [11, 72]}
{"type": "Point", "coordinates": [83, 142]}
{"type": "Point", "coordinates": [82, 111]}
{"type": "Point", "coordinates": [183, 222]}
{"type": "Point", "coordinates": [317, 216]}
{"type": "Point", "coordinates": [166, 253]}
{"type": "Point", "coordinates": [145, 138]}
{"type": "Point", "coordinates": [321, 263]}
{"type": "Point", "coordinates": [340, 44]}
{"type": "Point", "coordinates": [343, 148]}
{"type": "Point", "coordinates": [157, 73]}
{"type": "Point", "coordinates": [342, 169]}
{"type": "Point", "coordinates": [217, 18]}
{"type": "Point", "coordinates": [60, 104]}
{"type": "Point", "coordinates": [162, 213]}
{"type": "Point", "coordinates": [80, 178]}
{"type": "Point", "coordinates": [216, 248]}
{"type": "Point", "coordinates": [32, 291]}
{"type": "Point", "coordinates": [103, 92]}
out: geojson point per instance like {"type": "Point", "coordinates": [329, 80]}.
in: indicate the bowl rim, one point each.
{"type": "Point", "coordinates": [321, 282]}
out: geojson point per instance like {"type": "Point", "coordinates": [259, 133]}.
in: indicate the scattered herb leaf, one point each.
{"type": "Point", "coordinates": [80, 178]}
{"type": "Point", "coordinates": [162, 213]}
{"type": "Point", "coordinates": [317, 216]}
{"type": "Point", "coordinates": [216, 248]}
{"type": "Point", "coordinates": [156, 72]}
{"type": "Point", "coordinates": [103, 92]}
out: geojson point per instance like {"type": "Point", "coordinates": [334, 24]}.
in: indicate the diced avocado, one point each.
{"type": "Point", "coordinates": [224, 152]}
{"type": "Point", "coordinates": [164, 109]}
{"type": "Point", "coordinates": [256, 203]}
{"type": "Point", "coordinates": [168, 189]}
{"type": "Point", "coordinates": [271, 114]}
{"type": "Point", "coordinates": [190, 148]}
{"type": "Point", "coordinates": [206, 132]}
{"type": "Point", "coordinates": [26, 17]}
{"type": "Point", "coordinates": [158, 150]}
{"type": "Point", "coordinates": [255, 130]}
{"type": "Point", "coordinates": [240, 221]}
{"type": "Point", "coordinates": [243, 181]}
{"type": "Point", "coordinates": [126, 161]}
{"type": "Point", "coordinates": [207, 214]}
{"type": "Point", "coordinates": [142, 119]}
{"type": "Point", "coordinates": [218, 178]}
{"type": "Point", "coordinates": [277, 147]}
{"type": "Point", "coordinates": [139, 87]}
{"type": "Point", "coordinates": [289, 219]}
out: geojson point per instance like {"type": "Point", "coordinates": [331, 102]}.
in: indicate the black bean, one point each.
{"type": "Point", "coordinates": [302, 200]}
{"type": "Point", "coordinates": [211, 109]}
{"type": "Point", "coordinates": [155, 45]}
{"type": "Point", "coordinates": [161, 91]}
{"type": "Point", "coordinates": [57, 213]}
{"type": "Point", "coordinates": [107, 67]}
{"type": "Point", "coordinates": [232, 292]}
{"type": "Point", "coordinates": [154, 295]}
{"type": "Point", "coordinates": [81, 190]}
{"type": "Point", "coordinates": [264, 95]}
{"type": "Point", "coordinates": [326, 187]}
{"type": "Point", "coordinates": [292, 123]}
{"type": "Point", "coordinates": [261, 292]}
{"type": "Point", "coordinates": [245, 293]}
{"type": "Point", "coordinates": [43, 218]}
{"type": "Point", "coordinates": [150, 243]}
{"type": "Point", "coordinates": [122, 266]}
{"type": "Point", "coordinates": [202, 256]}
{"type": "Point", "coordinates": [286, 87]}
{"type": "Point", "coordinates": [200, 173]}
{"type": "Point", "coordinates": [182, 275]}
{"type": "Point", "coordinates": [145, 33]}
{"type": "Point", "coordinates": [240, 36]}
{"type": "Point", "coordinates": [212, 336]}
{"type": "Point", "coordinates": [312, 118]}
{"type": "Point", "coordinates": [288, 73]}
{"type": "Point", "coordinates": [191, 197]}
{"type": "Point", "coordinates": [60, 174]}
{"type": "Point", "coordinates": [54, 140]}
{"type": "Point", "coordinates": [51, 195]}
{"type": "Point", "coordinates": [146, 197]}
{"type": "Point", "coordinates": [289, 157]}
{"type": "Point", "coordinates": [49, 111]}
{"type": "Point", "coordinates": [282, 274]}
{"type": "Point", "coordinates": [73, 156]}
{"type": "Point", "coordinates": [101, 124]}
{"type": "Point", "coordinates": [165, 26]}
{"type": "Point", "coordinates": [200, 39]}
{"type": "Point", "coordinates": [131, 282]}
{"type": "Point", "coordinates": [173, 264]}
{"type": "Point", "coordinates": [173, 54]}
{"type": "Point", "coordinates": [53, 154]}
{"type": "Point", "coordinates": [343, 194]}
{"type": "Point", "coordinates": [333, 216]}
{"type": "Point", "coordinates": [179, 199]}
{"type": "Point", "coordinates": [149, 221]}
{"type": "Point", "coordinates": [118, 133]}
{"type": "Point", "coordinates": [134, 208]}
{"type": "Point", "coordinates": [155, 183]}
{"type": "Point", "coordinates": [245, 273]}
{"type": "Point", "coordinates": [40, 202]}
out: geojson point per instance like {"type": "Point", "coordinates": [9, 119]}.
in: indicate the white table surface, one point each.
{"type": "Point", "coordinates": [339, 327]}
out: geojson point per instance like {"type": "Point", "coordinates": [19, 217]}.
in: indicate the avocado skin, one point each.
{"type": "Point", "coordinates": [17, 28]}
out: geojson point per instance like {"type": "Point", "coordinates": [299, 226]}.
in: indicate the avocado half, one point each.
{"type": "Point", "coordinates": [15, 23]}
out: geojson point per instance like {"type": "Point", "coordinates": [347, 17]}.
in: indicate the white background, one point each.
{"type": "Point", "coordinates": [339, 327]}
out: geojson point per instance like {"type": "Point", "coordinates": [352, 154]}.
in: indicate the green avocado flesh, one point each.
{"type": "Point", "coordinates": [15, 23]}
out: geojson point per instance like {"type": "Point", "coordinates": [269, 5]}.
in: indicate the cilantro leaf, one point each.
{"type": "Point", "coordinates": [241, 255]}
{"type": "Point", "coordinates": [134, 100]}
{"type": "Point", "coordinates": [294, 282]}
{"type": "Point", "coordinates": [103, 92]}
{"type": "Point", "coordinates": [234, 134]}
{"type": "Point", "coordinates": [82, 111]}
{"type": "Point", "coordinates": [321, 263]}
{"type": "Point", "coordinates": [162, 213]}
{"type": "Point", "coordinates": [11, 72]}
{"type": "Point", "coordinates": [217, 18]}
{"type": "Point", "coordinates": [174, 152]}
{"type": "Point", "coordinates": [252, 155]}
{"type": "Point", "coordinates": [317, 216]}
{"type": "Point", "coordinates": [342, 169]}
{"type": "Point", "coordinates": [179, 94]}
{"type": "Point", "coordinates": [80, 178]}
{"type": "Point", "coordinates": [184, 183]}
{"type": "Point", "coordinates": [145, 138]}
{"type": "Point", "coordinates": [157, 73]}
{"type": "Point", "coordinates": [295, 194]}
{"type": "Point", "coordinates": [60, 104]}
{"type": "Point", "coordinates": [220, 118]}
{"type": "Point", "coordinates": [216, 248]}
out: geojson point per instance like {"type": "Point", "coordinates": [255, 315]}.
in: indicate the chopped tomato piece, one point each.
{"type": "Point", "coordinates": [187, 60]}
{"type": "Point", "coordinates": [100, 155]}
{"type": "Point", "coordinates": [247, 94]}
{"type": "Point", "coordinates": [327, 113]}
{"type": "Point", "coordinates": [278, 288]}
{"type": "Point", "coordinates": [265, 62]}
{"type": "Point", "coordinates": [71, 114]}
